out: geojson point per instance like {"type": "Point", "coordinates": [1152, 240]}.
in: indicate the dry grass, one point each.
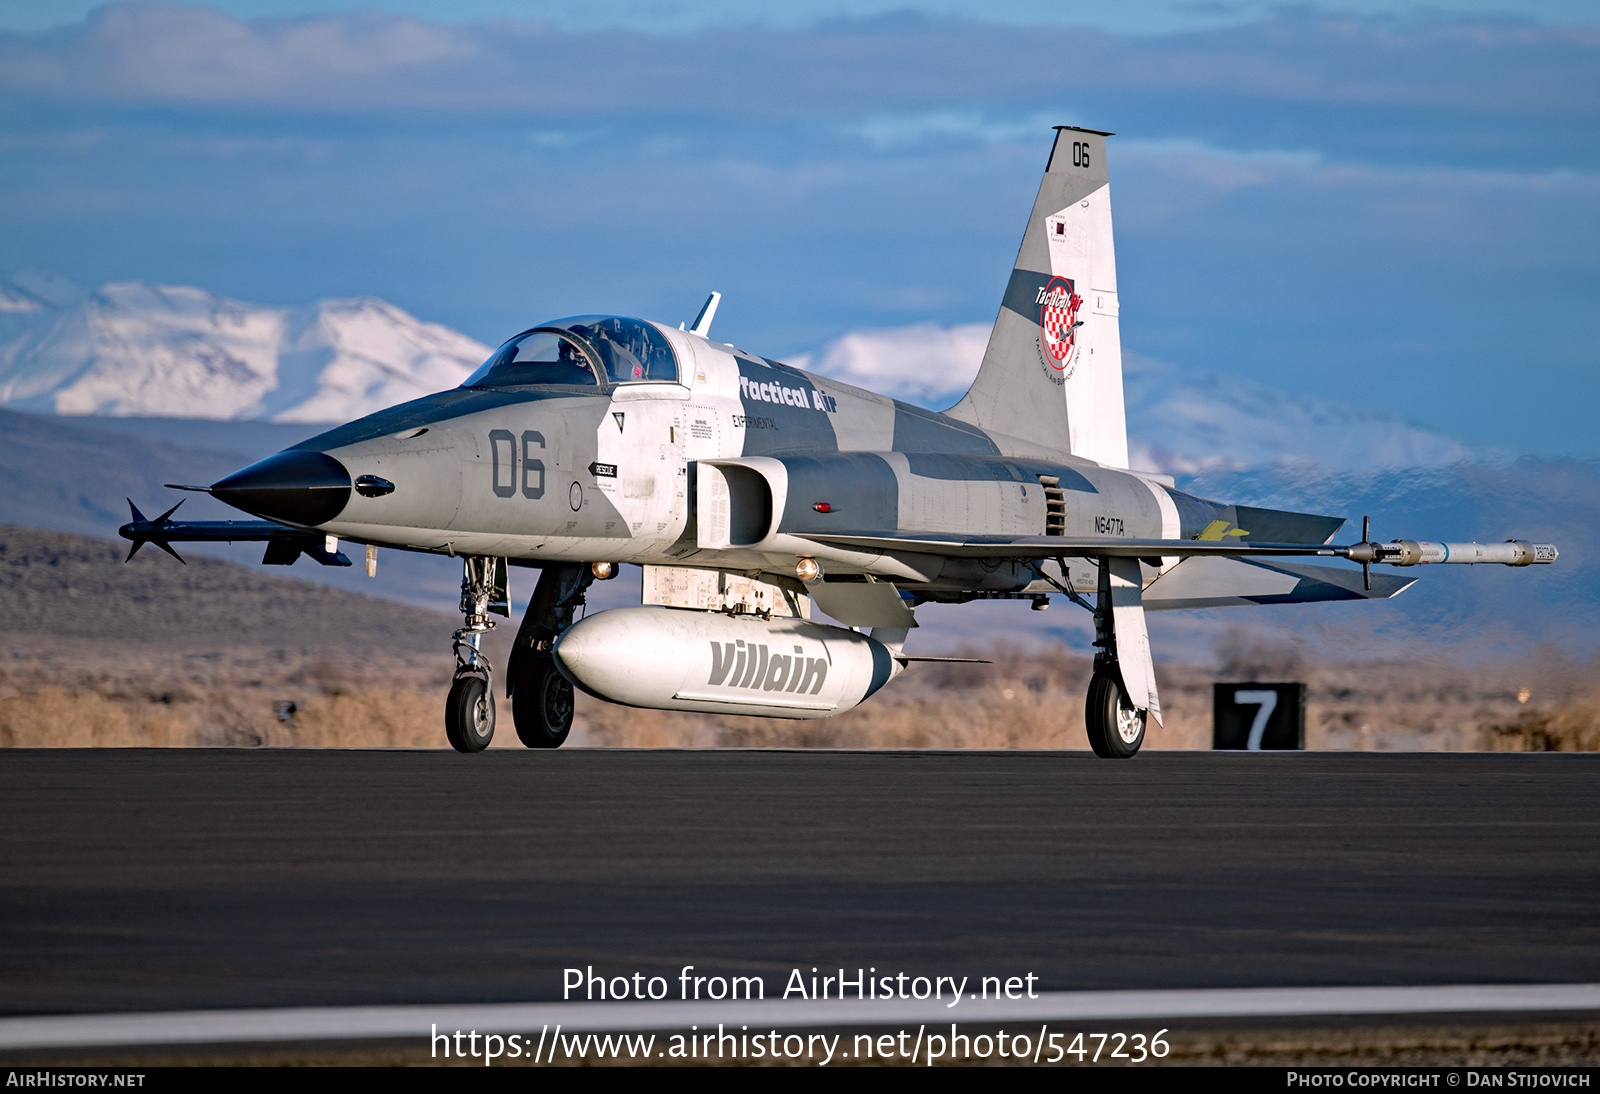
{"type": "Point", "coordinates": [1571, 728]}
{"type": "Point", "coordinates": [110, 695]}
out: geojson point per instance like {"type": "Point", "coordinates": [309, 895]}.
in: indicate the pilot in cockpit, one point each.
{"type": "Point", "coordinates": [571, 356]}
{"type": "Point", "coordinates": [622, 360]}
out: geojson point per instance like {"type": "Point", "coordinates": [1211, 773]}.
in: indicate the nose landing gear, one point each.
{"type": "Point", "coordinates": [469, 710]}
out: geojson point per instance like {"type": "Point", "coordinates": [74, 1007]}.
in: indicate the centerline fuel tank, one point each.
{"type": "Point", "coordinates": [679, 659]}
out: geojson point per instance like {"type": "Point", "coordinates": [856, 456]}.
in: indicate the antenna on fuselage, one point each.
{"type": "Point", "coordinates": [708, 312]}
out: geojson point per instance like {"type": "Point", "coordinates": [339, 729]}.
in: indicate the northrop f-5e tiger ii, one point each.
{"type": "Point", "coordinates": [749, 491]}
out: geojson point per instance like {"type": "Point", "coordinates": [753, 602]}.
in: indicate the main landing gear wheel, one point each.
{"type": "Point", "coordinates": [542, 705]}
{"type": "Point", "coordinates": [1116, 728]}
{"type": "Point", "coordinates": [469, 713]}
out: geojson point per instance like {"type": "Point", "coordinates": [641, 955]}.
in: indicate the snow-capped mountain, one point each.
{"type": "Point", "coordinates": [133, 349]}
{"type": "Point", "coordinates": [1185, 422]}
{"type": "Point", "coordinates": [1180, 421]}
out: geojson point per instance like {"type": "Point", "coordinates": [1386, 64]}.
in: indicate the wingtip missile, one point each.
{"type": "Point", "coordinates": [142, 530]}
{"type": "Point", "coordinates": [1411, 552]}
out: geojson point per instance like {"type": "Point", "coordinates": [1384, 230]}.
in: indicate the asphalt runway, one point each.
{"type": "Point", "coordinates": [185, 879]}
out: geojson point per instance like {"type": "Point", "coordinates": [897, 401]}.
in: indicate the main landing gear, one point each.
{"type": "Point", "coordinates": [1116, 727]}
{"type": "Point", "coordinates": [541, 698]}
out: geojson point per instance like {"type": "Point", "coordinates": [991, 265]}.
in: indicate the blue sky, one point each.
{"type": "Point", "coordinates": [1392, 206]}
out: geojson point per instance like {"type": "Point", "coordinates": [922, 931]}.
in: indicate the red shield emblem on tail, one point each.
{"type": "Point", "coordinates": [1058, 321]}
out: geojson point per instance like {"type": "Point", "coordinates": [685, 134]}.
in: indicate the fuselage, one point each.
{"type": "Point", "coordinates": [557, 472]}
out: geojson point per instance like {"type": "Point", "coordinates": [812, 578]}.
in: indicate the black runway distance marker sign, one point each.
{"type": "Point", "coordinates": [1258, 717]}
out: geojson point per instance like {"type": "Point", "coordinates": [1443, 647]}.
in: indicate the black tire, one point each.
{"type": "Point", "coordinates": [542, 705]}
{"type": "Point", "coordinates": [1116, 729]}
{"type": "Point", "coordinates": [469, 714]}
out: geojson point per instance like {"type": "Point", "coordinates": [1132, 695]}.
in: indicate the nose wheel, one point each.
{"type": "Point", "coordinates": [469, 713]}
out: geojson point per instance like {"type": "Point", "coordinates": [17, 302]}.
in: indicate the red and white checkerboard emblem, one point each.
{"type": "Point", "coordinates": [1058, 321]}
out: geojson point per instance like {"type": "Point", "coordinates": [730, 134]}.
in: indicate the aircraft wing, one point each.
{"type": "Point", "coordinates": [1066, 546]}
{"type": "Point", "coordinates": [1240, 584]}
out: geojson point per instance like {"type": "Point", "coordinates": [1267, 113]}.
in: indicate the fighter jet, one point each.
{"type": "Point", "coordinates": [749, 491]}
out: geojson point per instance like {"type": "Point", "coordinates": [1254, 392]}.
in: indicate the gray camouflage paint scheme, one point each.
{"type": "Point", "coordinates": [879, 465]}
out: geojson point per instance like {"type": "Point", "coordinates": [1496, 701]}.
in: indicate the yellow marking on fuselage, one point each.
{"type": "Point", "coordinates": [1217, 529]}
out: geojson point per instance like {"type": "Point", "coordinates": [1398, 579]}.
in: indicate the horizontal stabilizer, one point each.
{"type": "Point", "coordinates": [1239, 582]}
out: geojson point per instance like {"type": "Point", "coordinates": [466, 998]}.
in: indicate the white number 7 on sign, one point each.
{"type": "Point", "coordinates": [1267, 702]}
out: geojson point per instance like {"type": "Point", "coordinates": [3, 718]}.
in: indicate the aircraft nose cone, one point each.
{"type": "Point", "coordinates": [296, 487]}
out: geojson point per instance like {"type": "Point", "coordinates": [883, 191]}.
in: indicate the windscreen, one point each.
{"type": "Point", "coordinates": [537, 357]}
{"type": "Point", "coordinates": [584, 351]}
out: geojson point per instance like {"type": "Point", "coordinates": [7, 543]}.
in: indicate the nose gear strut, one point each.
{"type": "Point", "coordinates": [469, 710]}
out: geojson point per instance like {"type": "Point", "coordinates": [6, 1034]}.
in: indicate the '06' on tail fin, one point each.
{"type": "Point", "coordinates": [1052, 373]}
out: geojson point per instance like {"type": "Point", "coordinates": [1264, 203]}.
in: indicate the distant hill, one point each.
{"type": "Point", "coordinates": [58, 473]}
{"type": "Point", "coordinates": [56, 585]}
{"type": "Point", "coordinates": [77, 474]}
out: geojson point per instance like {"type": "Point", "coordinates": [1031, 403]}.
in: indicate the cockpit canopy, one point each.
{"type": "Point", "coordinates": [584, 351]}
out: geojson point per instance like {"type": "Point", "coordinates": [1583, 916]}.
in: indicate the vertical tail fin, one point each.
{"type": "Point", "coordinates": [1053, 371]}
